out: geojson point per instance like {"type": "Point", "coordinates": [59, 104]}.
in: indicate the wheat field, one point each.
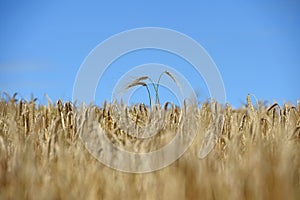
{"type": "Point", "coordinates": [248, 153]}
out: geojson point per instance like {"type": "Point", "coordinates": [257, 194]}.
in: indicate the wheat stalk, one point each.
{"type": "Point", "coordinates": [137, 82]}
{"type": "Point", "coordinates": [158, 83]}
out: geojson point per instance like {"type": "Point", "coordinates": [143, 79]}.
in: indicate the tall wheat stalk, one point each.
{"type": "Point", "coordinates": [155, 86]}
{"type": "Point", "coordinates": [138, 82]}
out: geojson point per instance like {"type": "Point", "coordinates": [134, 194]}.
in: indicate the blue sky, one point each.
{"type": "Point", "coordinates": [255, 45]}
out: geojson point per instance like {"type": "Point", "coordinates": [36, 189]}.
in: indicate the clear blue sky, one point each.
{"type": "Point", "coordinates": [255, 45]}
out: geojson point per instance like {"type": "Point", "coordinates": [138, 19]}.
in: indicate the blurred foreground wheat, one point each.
{"type": "Point", "coordinates": [255, 152]}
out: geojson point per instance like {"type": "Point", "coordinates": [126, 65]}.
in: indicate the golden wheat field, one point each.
{"type": "Point", "coordinates": [255, 151]}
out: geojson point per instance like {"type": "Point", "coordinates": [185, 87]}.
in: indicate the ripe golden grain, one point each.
{"type": "Point", "coordinates": [42, 157]}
